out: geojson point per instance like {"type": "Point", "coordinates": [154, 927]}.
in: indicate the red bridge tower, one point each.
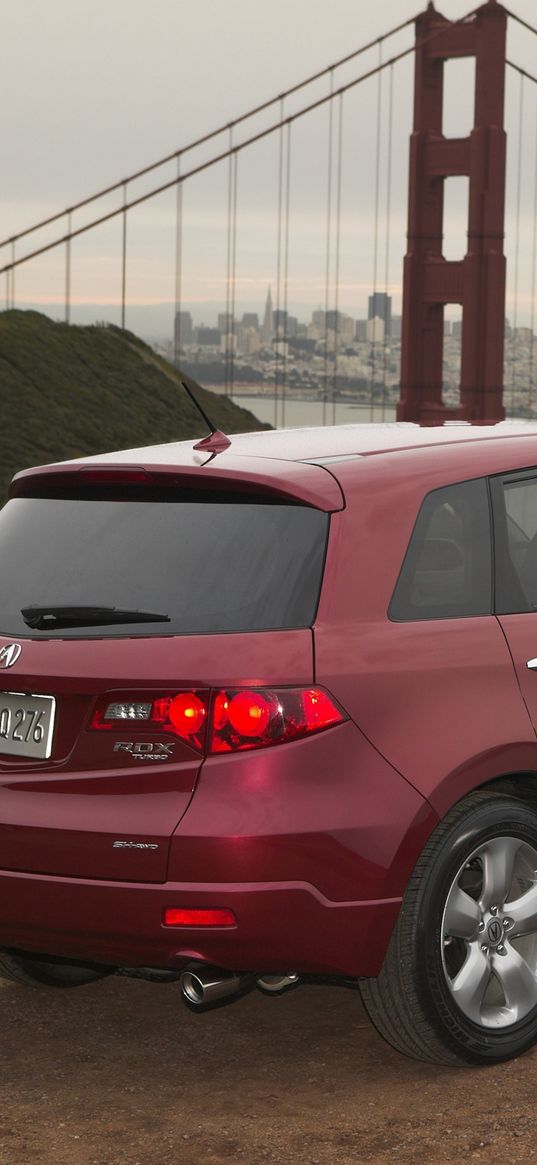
{"type": "Point", "coordinates": [478, 280]}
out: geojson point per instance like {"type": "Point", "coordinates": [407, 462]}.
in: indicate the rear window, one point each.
{"type": "Point", "coordinates": [210, 566]}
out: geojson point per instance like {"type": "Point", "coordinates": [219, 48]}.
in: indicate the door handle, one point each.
{"type": "Point", "coordinates": [532, 664]}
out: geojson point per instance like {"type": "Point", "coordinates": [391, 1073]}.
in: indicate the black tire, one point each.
{"type": "Point", "coordinates": [415, 1001]}
{"type": "Point", "coordinates": [33, 971]}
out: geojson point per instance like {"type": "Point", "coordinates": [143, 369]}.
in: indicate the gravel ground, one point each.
{"type": "Point", "coordinates": [121, 1073]}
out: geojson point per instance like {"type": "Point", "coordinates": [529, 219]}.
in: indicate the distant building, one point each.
{"type": "Point", "coordinates": [279, 322]}
{"type": "Point", "coordinates": [345, 329]}
{"type": "Point", "coordinates": [361, 330]}
{"type": "Point", "coordinates": [249, 341]}
{"type": "Point", "coordinates": [207, 337]}
{"type": "Point", "coordinates": [184, 330]}
{"type": "Point", "coordinates": [267, 329]}
{"type": "Point", "coordinates": [228, 342]}
{"type": "Point", "coordinates": [376, 330]}
{"type": "Point", "coordinates": [250, 319]}
{"type": "Point", "coordinates": [396, 328]}
{"type": "Point", "coordinates": [225, 322]}
{"type": "Point", "coordinates": [380, 307]}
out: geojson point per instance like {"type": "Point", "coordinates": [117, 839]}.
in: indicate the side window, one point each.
{"type": "Point", "coordinates": [447, 569]}
{"type": "Point", "coordinates": [516, 545]}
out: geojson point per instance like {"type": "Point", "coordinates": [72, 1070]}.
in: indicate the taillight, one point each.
{"type": "Point", "coordinates": [258, 718]}
{"type": "Point", "coordinates": [181, 714]}
{"type": "Point", "coordinates": [235, 718]}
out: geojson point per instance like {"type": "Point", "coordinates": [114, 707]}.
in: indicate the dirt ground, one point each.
{"type": "Point", "coordinates": [121, 1073]}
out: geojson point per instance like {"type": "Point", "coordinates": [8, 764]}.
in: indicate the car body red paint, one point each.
{"type": "Point", "coordinates": [310, 843]}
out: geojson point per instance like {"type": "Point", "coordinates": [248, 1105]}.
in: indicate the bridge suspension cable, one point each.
{"type": "Point", "coordinates": [229, 150]}
{"type": "Point", "coordinates": [204, 138]}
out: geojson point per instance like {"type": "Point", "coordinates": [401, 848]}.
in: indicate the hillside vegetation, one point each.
{"type": "Point", "coordinates": [69, 391]}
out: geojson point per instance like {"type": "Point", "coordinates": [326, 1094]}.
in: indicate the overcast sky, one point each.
{"type": "Point", "coordinates": [94, 89]}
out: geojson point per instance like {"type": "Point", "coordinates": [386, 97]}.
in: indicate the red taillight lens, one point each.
{"type": "Point", "coordinates": [249, 713]}
{"type": "Point", "coordinates": [258, 718]}
{"type": "Point", "coordinates": [319, 710]}
{"type": "Point", "coordinates": [181, 714]}
{"type": "Point", "coordinates": [186, 712]}
{"type": "Point", "coordinates": [177, 916]}
{"type": "Point", "coordinates": [239, 718]}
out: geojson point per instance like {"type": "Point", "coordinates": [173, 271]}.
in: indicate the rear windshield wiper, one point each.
{"type": "Point", "coordinates": [51, 617]}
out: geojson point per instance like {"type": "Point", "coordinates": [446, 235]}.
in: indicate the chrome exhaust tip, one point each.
{"type": "Point", "coordinates": [202, 984]}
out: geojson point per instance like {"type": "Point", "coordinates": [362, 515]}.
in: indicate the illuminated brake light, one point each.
{"type": "Point", "coordinates": [187, 713]}
{"type": "Point", "coordinates": [175, 916]}
{"type": "Point", "coordinates": [259, 718]}
{"type": "Point", "coordinates": [249, 713]}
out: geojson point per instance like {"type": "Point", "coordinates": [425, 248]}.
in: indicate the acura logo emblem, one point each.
{"type": "Point", "coordinates": [494, 932]}
{"type": "Point", "coordinates": [10, 654]}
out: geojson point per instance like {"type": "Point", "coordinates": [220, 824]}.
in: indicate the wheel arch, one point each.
{"type": "Point", "coordinates": [514, 767]}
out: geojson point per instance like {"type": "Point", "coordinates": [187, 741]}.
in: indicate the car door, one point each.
{"type": "Point", "coordinates": [515, 536]}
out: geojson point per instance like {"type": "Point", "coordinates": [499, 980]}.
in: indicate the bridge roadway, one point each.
{"type": "Point", "coordinates": [119, 1073]}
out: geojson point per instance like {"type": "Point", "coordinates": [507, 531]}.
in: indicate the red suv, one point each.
{"type": "Point", "coordinates": [268, 713]}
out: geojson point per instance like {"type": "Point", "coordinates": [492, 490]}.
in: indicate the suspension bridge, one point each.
{"type": "Point", "coordinates": [309, 190]}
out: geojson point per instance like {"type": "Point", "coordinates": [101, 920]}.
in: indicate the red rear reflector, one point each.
{"type": "Point", "coordinates": [175, 916]}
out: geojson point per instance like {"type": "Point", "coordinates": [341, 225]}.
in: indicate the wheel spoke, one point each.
{"type": "Point", "coordinates": [461, 916]}
{"type": "Point", "coordinates": [518, 982]}
{"type": "Point", "coordinates": [523, 912]}
{"type": "Point", "coordinates": [498, 858]}
{"type": "Point", "coordinates": [471, 982]}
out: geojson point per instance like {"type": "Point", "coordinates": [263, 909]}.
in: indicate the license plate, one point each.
{"type": "Point", "coordinates": [26, 724]}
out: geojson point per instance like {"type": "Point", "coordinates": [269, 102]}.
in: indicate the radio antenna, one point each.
{"type": "Point", "coordinates": [216, 441]}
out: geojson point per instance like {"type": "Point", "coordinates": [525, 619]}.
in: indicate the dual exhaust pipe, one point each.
{"type": "Point", "coordinates": [203, 985]}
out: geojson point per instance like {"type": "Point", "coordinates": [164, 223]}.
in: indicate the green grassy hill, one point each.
{"type": "Point", "coordinates": [71, 391]}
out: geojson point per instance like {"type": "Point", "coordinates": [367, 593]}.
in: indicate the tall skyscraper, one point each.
{"type": "Point", "coordinates": [380, 307]}
{"type": "Point", "coordinates": [183, 330]}
{"type": "Point", "coordinates": [250, 319]}
{"type": "Point", "coordinates": [267, 331]}
{"type": "Point", "coordinates": [279, 322]}
{"type": "Point", "coordinates": [226, 322]}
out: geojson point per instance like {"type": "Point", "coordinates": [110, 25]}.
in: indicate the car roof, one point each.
{"type": "Point", "coordinates": [320, 443]}
{"type": "Point", "coordinates": [299, 463]}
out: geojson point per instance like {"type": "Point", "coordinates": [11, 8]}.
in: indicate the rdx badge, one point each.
{"type": "Point", "coordinates": [145, 749]}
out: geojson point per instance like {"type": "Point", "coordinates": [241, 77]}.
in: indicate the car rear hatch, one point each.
{"type": "Point", "coordinates": [120, 599]}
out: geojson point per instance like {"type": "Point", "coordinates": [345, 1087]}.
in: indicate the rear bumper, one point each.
{"type": "Point", "coordinates": [281, 926]}
{"type": "Point", "coordinates": [310, 845]}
